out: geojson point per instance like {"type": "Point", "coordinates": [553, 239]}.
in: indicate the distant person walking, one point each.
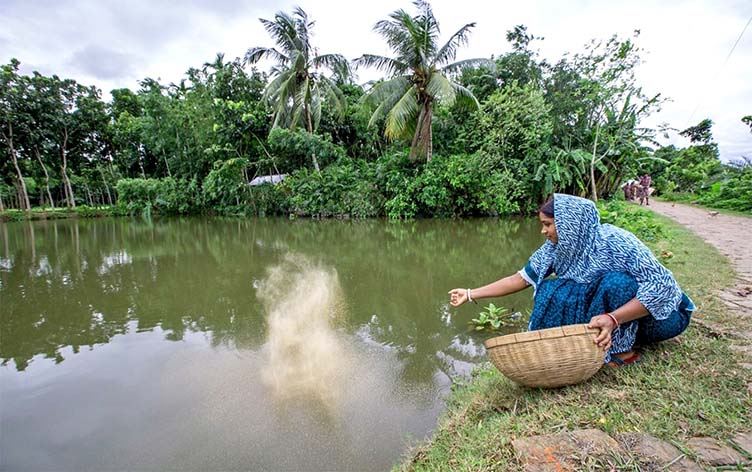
{"type": "Point", "coordinates": [630, 189]}
{"type": "Point", "coordinates": [644, 189]}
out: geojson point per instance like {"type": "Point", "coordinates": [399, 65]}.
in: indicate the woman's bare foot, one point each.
{"type": "Point", "coordinates": [624, 358]}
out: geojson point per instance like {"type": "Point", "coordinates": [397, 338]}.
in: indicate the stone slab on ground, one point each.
{"type": "Point", "coordinates": [744, 441]}
{"type": "Point", "coordinates": [733, 298]}
{"type": "Point", "coordinates": [657, 454]}
{"type": "Point", "coordinates": [744, 349]}
{"type": "Point", "coordinates": [714, 452]}
{"type": "Point", "coordinates": [575, 450]}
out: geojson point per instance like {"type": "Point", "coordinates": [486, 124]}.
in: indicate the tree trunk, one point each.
{"type": "Point", "coordinates": [64, 171]}
{"type": "Point", "coordinates": [309, 128]}
{"type": "Point", "coordinates": [309, 123]}
{"type": "Point", "coordinates": [88, 195]}
{"type": "Point", "coordinates": [24, 196]}
{"type": "Point", "coordinates": [106, 187]}
{"type": "Point", "coordinates": [422, 143]}
{"type": "Point", "coordinates": [2, 205]}
{"type": "Point", "coordinates": [46, 178]}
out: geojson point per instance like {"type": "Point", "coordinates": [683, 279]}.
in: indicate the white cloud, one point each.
{"type": "Point", "coordinates": [113, 43]}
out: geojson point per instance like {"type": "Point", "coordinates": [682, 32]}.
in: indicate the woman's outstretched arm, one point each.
{"type": "Point", "coordinates": [511, 284]}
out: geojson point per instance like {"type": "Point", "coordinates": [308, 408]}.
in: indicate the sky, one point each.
{"type": "Point", "coordinates": [697, 53]}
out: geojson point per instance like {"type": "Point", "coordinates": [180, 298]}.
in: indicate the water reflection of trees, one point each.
{"type": "Point", "coordinates": [79, 283]}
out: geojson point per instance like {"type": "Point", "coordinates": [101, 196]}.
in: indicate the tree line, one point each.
{"type": "Point", "coordinates": [434, 137]}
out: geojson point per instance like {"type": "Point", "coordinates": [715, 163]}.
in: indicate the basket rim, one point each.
{"type": "Point", "coordinates": [548, 333]}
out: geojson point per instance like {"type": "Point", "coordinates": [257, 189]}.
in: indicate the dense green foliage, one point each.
{"type": "Point", "coordinates": [696, 174]}
{"type": "Point", "coordinates": [641, 222]}
{"type": "Point", "coordinates": [573, 126]}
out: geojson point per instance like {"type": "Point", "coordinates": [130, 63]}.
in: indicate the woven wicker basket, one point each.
{"type": "Point", "coordinates": [547, 358]}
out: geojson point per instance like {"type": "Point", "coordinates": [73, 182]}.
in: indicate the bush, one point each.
{"type": "Point", "coordinates": [454, 186]}
{"type": "Point", "coordinates": [345, 189]}
{"type": "Point", "coordinates": [268, 199]}
{"type": "Point", "coordinates": [163, 196]}
{"type": "Point", "coordinates": [85, 211]}
{"type": "Point", "coordinates": [639, 221]}
{"type": "Point", "coordinates": [733, 193]}
{"type": "Point", "coordinates": [225, 186]}
{"type": "Point", "coordinates": [294, 150]}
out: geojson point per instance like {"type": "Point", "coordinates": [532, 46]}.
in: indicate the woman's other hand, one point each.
{"type": "Point", "coordinates": [457, 296]}
{"type": "Point", "coordinates": [606, 325]}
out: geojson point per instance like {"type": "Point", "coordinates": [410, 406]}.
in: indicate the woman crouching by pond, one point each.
{"type": "Point", "coordinates": [605, 277]}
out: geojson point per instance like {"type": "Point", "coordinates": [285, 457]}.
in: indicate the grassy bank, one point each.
{"type": "Point", "coordinates": [686, 387]}
{"type": "Point", "coordinates": [82, 211]}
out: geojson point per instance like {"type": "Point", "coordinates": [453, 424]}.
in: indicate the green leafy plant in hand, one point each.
{"type": "Point", "coordinates": [493, 318]}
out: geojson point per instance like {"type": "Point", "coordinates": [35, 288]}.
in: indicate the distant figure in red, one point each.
{"type": "Point", "coordinates": [644, 190]}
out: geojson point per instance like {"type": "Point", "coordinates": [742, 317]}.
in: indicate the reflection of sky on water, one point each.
{"type": "Point", "coordinates": [6, 263]}
{"type": "Point", "coordinates": [113, 260]}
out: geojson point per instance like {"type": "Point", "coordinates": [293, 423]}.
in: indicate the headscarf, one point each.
{"type": "Point", "coordinates": [587, 249]}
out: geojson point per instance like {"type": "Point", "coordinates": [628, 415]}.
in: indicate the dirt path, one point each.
{"type": "Point", "coordinates": [731, 236]}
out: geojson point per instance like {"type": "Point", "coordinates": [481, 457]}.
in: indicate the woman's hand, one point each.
{"type": "Point", "coordinates": [606, 325]}
{"type": "Point", "coordinates": [457, 296]}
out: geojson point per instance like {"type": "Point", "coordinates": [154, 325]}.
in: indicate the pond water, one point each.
{"type": "Point", "coordinates": [221, 344]}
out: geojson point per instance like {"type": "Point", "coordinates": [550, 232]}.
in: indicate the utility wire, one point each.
{"type": "Point", "coordinates": [720, 68]}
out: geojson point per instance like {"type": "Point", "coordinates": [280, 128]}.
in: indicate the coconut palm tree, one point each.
{"type": "Point", "coordinates": [297, 87]}
{"type": "Point", "coordinates": [420, 75]}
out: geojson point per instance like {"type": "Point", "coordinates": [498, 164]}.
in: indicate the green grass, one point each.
{"type": "Point", "coordinates": [689, 386]}
{"type": "Point", "coordinates": [81, 211]}
{"type": "Point", "coordinates": [691, 199]}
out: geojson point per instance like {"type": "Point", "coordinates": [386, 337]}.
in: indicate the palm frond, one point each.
{"type": "Point", "coordinates": [332, 94]}
{"type": "Point", "coordinates": [273, 89]}
{"type": "Point", "coordinates": [457, 67]}
{"type": "Point", "coordinates": [395, 32]}
{"type": "Point", "coordinates": [282, 31]}
{"type": "Point", "coordinates": [315, 107]}
{"type": "Point", "coordinates": [428, 31]}
{"type": "Point", "coordinates": [253, 55]}
{"type": "Point", "coordinates": [440, 88]}
{"type": "Point", "coordinates": [388, 88]}
{"type": "Point", "coordinates": [464, 97]}
{"type": "Point", "coordinates": [403, 112]}
{"type": "Point", "coordinates": [302, 29]}
{"type": "Point", "coordinates": [448, 52]}
{"type": "Point", "coordinates": [284, 99]}
{"type": "Point", "coordinates": [388, 95]}
{"type": "Point", "coordinates": [385, 64]}
{"type": "Point", "coordinates": [298, 104]}
{"type": "Point", "coordinates": [332, 62]}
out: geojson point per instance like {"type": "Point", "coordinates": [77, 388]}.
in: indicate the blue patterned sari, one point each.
{"type": "Point", "coordinates": [599, 268]}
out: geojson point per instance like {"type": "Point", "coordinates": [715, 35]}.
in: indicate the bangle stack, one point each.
{"type": "Point", "coordinates": [469, 298]}
{"type": "Point", "coordinates": [613, 318]}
